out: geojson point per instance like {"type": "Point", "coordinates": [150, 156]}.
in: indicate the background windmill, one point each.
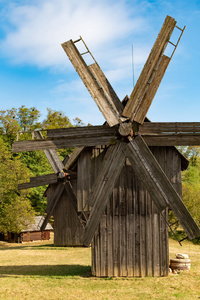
{"type": "Point", "coordinates": [127, 137]}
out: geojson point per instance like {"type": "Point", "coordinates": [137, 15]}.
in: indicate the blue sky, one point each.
{"type": "Point", "coordinates": [35, 71]}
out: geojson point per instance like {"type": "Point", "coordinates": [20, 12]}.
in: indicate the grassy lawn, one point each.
{"type": "Point", "coordinates": [41, 271]}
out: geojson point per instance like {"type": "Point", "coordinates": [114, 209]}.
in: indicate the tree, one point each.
{"type": "Point", "coordinates": [9, 125]}
{"type": "Point", "coordinates": [15, 208]}
{"type": "Point", "coordinates": [190, 184]}
{"type": "Point", "coordinates": [55, 119]}
{"type": "Point", "coordinates": [28, 117]}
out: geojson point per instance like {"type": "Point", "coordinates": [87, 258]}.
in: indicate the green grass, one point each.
{"type": "Point", "coordinates": [42, 271]}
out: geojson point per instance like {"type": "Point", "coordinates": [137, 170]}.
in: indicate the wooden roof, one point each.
{"type": "Point", "coordinates": [35, 226]}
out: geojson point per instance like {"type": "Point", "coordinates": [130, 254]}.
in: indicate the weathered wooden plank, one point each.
{"type": "Point", "coordinates": [84, 166]}
{"type": "Point", "coordinates": [67, 227]}
{"type": "Point", "coordinates": [110, 244]}
{"type": "Point", "coordinates": [132, 108]}
{"type": "Point", "coordinates": [73, 157]}
{"type": "Point", "coordinates": [97, 93]}
{"type": "Point", "coordinates": [116, 241]}
{"type": "Point", "coordinates": [84, 131]}
{"type": "Point", "coordinates": [103, 247]}
{"type": "Point", "coordinates": [55, 198]}
{"type": "Point", "coordinates": [172, 139]}
{"type": "Point", "coordinates": [34, 145]}
{"type": "Point", "coordinates": [153, 128]}
{"type": "Point", "coordinates": [51, 155]}
{"type": "Point", "coordinates": [102, 188]}
{"type": "Point", "coordinates": [70, 195]}
{"type": "Point", "coordinates": [158, 185]}
{"type": "Point", "coordinates": [151, 91]}
{"type": "Point", "coordinates": [39, 181]}
{"type": "Point", "coordinates": [107, 88]}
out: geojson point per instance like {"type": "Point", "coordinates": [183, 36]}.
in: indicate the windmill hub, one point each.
{"type": "Point", "coordinates": [125, 129]}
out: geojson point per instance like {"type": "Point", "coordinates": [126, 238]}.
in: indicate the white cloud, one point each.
{"type": "Point", "coordinates": [36, 30]}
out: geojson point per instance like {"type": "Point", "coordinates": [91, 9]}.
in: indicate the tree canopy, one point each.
{"type": "Point", "coordinates": [17, 208]}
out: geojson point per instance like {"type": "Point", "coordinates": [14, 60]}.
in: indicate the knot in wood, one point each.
{"type": "Point", "coordinates": [125, 129]}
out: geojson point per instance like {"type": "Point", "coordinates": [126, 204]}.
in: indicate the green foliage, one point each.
{"type": "Point", "coordinates": [25, 120]}
{"type": "Point", "coordinates": [9, 125]}
{"type": "Point", "coordinates": [28, 117]}
{"type": "Point", "coordinates": [55, 119]}
{"type": "Point", "coordinates": [15, 208]}
{"type": "Point", "coordinates": [190, 184]}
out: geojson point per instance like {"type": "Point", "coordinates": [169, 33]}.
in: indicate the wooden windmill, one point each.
{"type": "Point", "coordinates": [127, 137]}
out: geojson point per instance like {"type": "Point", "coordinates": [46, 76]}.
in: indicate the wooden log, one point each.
{"type": "Point", "coordinates": [158, 185]}
{"type": "Point", "coordinates": [137, 96]}
{"type": "Point", "coordinates": [102, 188]}
{"type": "Point", "coordinates": [61, 143]}
{"type": "Point", "coordinates": [172, 140]}
{"type": "Point", "coordinates": [107, 88]}
{"type": "Point", "coordinates": [151, 91]}
{"type": "Point", "coordinates": [51, 155]}
{"type": "Point", "coordinates": [157, 128]}
{"type": "Point", "coordinates": [73, 157]}
{"type": "Point", "coordinates": [39, 181]}
{"type": "Point", "coordinates": [97, 93]}
{"type": "Point", "coordinates": [85, 131]}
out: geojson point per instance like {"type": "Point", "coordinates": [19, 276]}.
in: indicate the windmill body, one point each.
{"type": "Point", "coordinates": [121, 188]}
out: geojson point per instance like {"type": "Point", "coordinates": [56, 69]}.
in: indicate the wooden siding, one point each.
{"type": "Point", "coordinates": [68, 230]}
{"type": "Point", "coordinates": [132, 237]}
{"type": "Point", "coordinates": [35, 236]}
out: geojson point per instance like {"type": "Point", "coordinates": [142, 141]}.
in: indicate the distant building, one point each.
{"type": "Point", "coordinates": [29, 234]}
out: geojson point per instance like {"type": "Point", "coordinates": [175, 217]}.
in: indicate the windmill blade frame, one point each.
{"type": "Point", "coordinates": [158, 185]}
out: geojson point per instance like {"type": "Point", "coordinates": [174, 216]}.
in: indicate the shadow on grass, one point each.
{"type": "Point", "coordinates": [31, 246]}
{"type": "Point", "coordinates": [46, 270]}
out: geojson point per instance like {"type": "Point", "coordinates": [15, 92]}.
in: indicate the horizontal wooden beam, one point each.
{"type": "Point", "coordinates": [44, 180]}
{"type": "Point", "coordinates": [172, 140]}
{"type": "Point", "coordinates": [152, 128]}
{"type": "Point", "coordinates": [171, 133]}
{"type": "Point", "coordinates": [84, 131]}
{"type": "Point", "coordinates": [61, 143]}
{"type": "Point", "coordinates": [39, 181]}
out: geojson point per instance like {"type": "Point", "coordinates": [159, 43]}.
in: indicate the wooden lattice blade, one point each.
{"type": "Point", "coordinates": [39, 181]}
{"type": "Point", "coordinates": [51, 155]}
{"type": "Point", "coordinates": [151, 75]}
{"type": "Point", "coordinates": [171, 134]}
{"type": "Point", "coordinates": [158, 185]}
{"type": "Point", "coordinates": [102, 188]}
{"type": "Point", "coordinates": [96, 91]}
{"type": "Point", "coordinates": [107, 88]}
{"type": "Point", "coordinates": [69, 137]}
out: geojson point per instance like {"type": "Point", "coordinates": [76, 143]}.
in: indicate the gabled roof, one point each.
{"type": "Point", "coordinates": [35, 226]}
